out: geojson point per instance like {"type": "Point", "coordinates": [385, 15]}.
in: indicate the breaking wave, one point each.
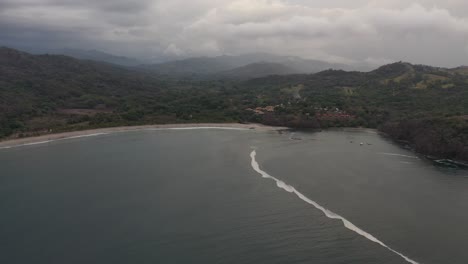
{"type": "Point", "coordinates": [52, 140]}
{"type": "Point", "coordinates": [399, 155]}
{"type": "Point", "coordinates": [198, 128]}
{"type": "Point", "coordinates": [83, 136]}
{"type": "Point", "coordinates": [123, 131]}
{"type": "Point", "coordinates": [328, 213]}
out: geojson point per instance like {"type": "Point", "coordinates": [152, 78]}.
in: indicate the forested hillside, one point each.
{"type": "Point", "coordinates": [425, 107]}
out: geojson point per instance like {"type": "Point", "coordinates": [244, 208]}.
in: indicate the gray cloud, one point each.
{"type": "Point", "coordinates": [424, 31]}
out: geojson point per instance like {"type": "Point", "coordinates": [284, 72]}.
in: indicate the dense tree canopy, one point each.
{"type": "Point", "coordinates": [424, 106]}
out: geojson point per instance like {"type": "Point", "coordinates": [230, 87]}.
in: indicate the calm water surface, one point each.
{"type": "Point", "coordinates": [192, 196]}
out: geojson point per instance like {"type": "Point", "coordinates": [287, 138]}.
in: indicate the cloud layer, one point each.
{"type": "Point", "coordinates": [429, 32]}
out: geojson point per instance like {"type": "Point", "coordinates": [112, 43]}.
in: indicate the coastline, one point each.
{"type": "Point", "coordinates": [46, 138]}
{"type": "Point", "coordinates": [15, 142]}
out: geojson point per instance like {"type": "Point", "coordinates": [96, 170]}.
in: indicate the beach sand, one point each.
{"type": "Point", "coordinates": [9, 143]}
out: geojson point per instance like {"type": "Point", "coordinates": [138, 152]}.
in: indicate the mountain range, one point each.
{"type": "Point", "coordinates": [425, 106]}
{"type": "Point", "coordinates": [96, 55]}
{"type": "Point", "coordinates": [243, 66]}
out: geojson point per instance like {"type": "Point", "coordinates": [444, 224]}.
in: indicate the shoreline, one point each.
{"type": "Point", "coordinates": [46, 138]}
{"type": "Point", "coordinates": [16, 142]}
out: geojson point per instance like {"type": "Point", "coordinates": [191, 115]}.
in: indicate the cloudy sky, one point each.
{"type": "Point", "coordinates": [431, 32]}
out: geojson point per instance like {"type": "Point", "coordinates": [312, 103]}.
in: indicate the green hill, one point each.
{"type": "Point", "coordinates": [426, 107]}
{"type": "Point", "coordinates": [264, 63]}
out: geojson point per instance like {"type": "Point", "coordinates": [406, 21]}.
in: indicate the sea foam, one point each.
{"type": "Point", "coordinates": [84, 136]}
{"type": "Point", "coordinates": [52, 140]}
{"type": "Point", "coordinates": [125, 131]}
{"type": "Point", "coordinates": [328, 213]}
{"type": "Point", "coordinates": [199, 128]}
{"type": "Point", "coordinates": [399, 155]}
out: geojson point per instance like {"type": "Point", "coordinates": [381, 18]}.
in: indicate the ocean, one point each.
{"type": "Point", "coordinates": [222, 195]}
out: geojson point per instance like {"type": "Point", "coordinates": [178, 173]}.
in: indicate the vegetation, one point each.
{"type": "Point", "coordinates": [424, 106]}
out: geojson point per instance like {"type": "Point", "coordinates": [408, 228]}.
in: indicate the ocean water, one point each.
{"type": "Point", "coordinates": [229, 196]}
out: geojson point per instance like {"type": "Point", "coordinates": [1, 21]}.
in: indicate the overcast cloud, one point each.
{"type": "Point", "coordinates": [429, 32]}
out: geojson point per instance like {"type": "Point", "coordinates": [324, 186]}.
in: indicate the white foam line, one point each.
{"type": "Point", "coordinates": [177, 128]}
{"type": "Point", "coordinates": [51, 140]}
{"type": "Point", "coordinates": [83, 136]}
{"type": "Point", "coordinates": [27, 144]}
{"type": "Point", "coordinates": [396, 154]}
{"type": "Point", "coordinates": [122, 131]}
{"type": "Point", "coordinates": [36, 143]}
{"type": "Point", "coordinates": [198, 128]}
{"type": "Point", "coordinates": [327, 212]}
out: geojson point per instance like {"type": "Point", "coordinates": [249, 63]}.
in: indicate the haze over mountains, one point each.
{"type": "Point", "coordinates": [389, 71]}
{"type": "Point", "coordinates": [244, 66]}
{"type": "Point", "coordinates": [227, 66]}
{"type": "Point", "coordinates": [258, 69]}
{"type": "Point", "coordinates": [420, 104]}
{"type": "Point", "coordinates": [96, 55]}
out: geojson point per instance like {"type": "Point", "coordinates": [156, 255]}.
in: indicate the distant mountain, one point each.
{"type": "Point", "coordinates": [313, 66]}
{"type": "Point", "coordinates": [215, 65]}
{"type": "Point", "coordinates": [193, 66]}
{"type": "Point", "coordinates": [255, 70]}
{"type": "Point", "coordinates": [422, 105]}
{"type": "Point", "coordinates": [96, 55]}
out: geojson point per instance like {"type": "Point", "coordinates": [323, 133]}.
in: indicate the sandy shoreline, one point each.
{"type": "Point", "coordinates": [101, 131]}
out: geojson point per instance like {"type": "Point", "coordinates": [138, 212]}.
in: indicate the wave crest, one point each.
{"type": "Point", "coordinates": [328, 213]}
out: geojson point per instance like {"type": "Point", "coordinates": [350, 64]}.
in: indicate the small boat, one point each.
{"type": "Point", "coordinates": [361, 144]}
